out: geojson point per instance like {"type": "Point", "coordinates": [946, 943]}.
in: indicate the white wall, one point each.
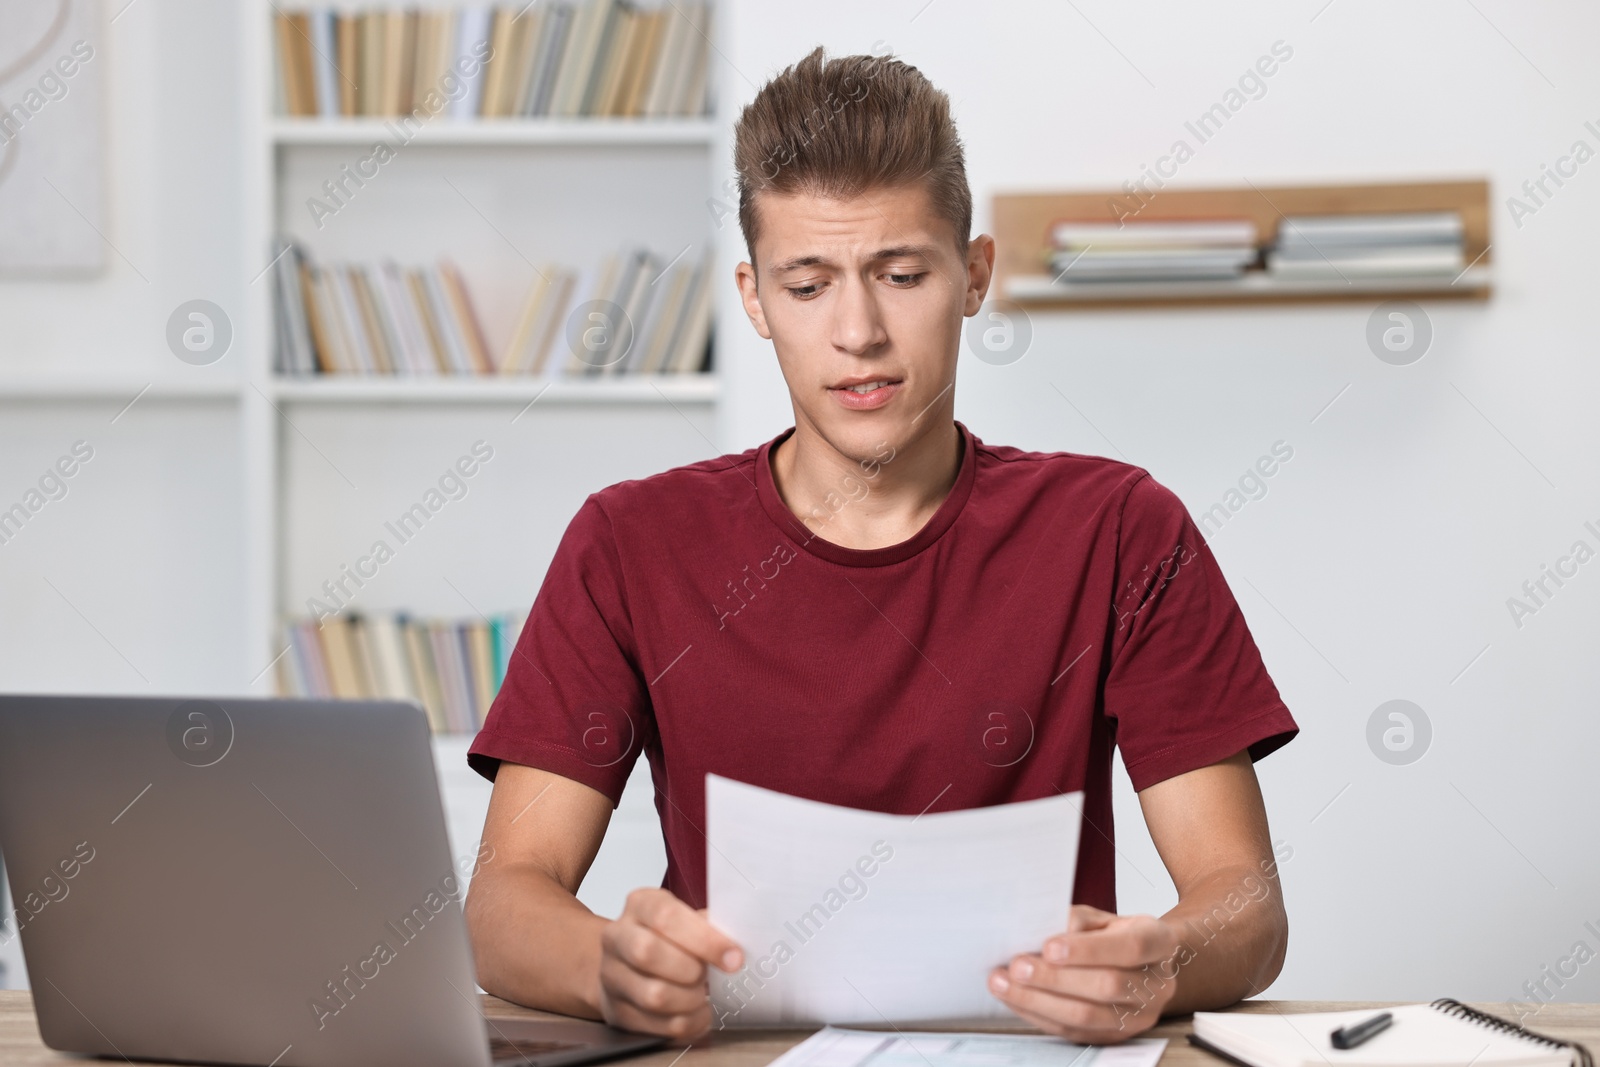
{"type": "Point", "coordinates": [1388, 544]}
{"type": "Point", "coordinates": [1378, 565]}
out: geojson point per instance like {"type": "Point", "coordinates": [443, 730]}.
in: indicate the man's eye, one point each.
{"type": "Point", "coordinates": [804, 292]}
{"type": "Point", "coordinates": [904, 280]}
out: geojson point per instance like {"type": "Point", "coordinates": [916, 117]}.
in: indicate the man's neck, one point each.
{"type": "Point", "coordinates": [871, 502]}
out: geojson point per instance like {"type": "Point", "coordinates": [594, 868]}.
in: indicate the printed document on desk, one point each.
{"type": "Point", "coordinates": [849, 916]}
{"type": "Point", "coordinates": [861, 1048]}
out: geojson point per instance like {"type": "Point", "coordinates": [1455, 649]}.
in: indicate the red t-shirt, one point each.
{"type": "Point", "coordinates": [1054, 607]}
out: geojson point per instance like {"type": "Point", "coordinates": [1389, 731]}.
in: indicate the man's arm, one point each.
{"type": "Point", "coordinates": [535, 944]}
{"type": "Point", "coordinates": [1110, 977]}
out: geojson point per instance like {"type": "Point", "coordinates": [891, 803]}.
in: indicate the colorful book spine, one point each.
{"type": "Point", "coordinates": [452, 667]}
{"type": "Point", "coordinates": [567, 58]}
{"type": "Point", "coordinates": [384, 319]}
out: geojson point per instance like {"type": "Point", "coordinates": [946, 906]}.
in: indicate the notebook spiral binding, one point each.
{"type": "Point", "coordinates": [1454, 1007]}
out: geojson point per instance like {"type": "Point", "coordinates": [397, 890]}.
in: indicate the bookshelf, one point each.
{"type": "Point", "coordinates": [1022, 221]}
{"type": "Point", "coordinates": [537, 131]}
{"type": "Point", "coordinates": [500, 197]}
{"type": "Point", "coordinates": [624, 389]}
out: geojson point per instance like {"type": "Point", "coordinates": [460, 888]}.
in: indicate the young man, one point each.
{"type": "Point", "coordinates": [878, 610]}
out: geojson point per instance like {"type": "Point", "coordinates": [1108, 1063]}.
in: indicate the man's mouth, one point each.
{"type": "Point", "coordinates": [866, 395]}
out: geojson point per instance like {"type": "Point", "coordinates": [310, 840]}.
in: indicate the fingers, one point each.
{"type": "Point", "coordinates": [648, 952]}
{"type": "Point", "coordinates": [1068, 1016]}
{"type": "Point", "coordinates": [649, 994]}
{"type": "Point", "coordinates": [1124, 941]}
{"type": "Point", "coordinates": [1103, 985]}
{"type": "Point", "coordinates": [653, 966]}
{"type": "Point", "coordinates": [686, 928]}
{"type": "Point", "coordinates": [683, 1028]}
{"type": "Point", "coordinates": [1082, 918]}
{"type": "Point", "coordinates": [1100, 981]}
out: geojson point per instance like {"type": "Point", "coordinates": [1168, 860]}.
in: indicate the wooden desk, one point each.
{"type": "Point", "coordinates": [20, 1045]}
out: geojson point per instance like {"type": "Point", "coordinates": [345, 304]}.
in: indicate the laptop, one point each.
{"type": "Point", "coordinates": [244, 881]}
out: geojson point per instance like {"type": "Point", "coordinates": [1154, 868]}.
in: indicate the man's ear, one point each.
{"type": "Point", "coordinates": [980, 272]}
{"type": "Point", "coordinates": [744, 276]}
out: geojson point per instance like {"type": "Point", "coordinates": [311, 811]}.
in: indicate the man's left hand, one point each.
{"type": "Point", "coordinates": [1105, 980]}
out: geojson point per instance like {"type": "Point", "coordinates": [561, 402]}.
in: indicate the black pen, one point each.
{"type": "Point", "coordinates": [1354, 1034]}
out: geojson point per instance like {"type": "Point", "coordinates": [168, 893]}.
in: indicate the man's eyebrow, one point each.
{"type": "Point", "coordinates": [894, 252]}
{"type": "Point", "coordinates": [797, 262]}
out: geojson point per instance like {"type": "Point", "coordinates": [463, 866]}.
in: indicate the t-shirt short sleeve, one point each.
{"type": "Point", "coordinates": [1186, 685]}
{"type": "Point", "coordinates": [573, 702]}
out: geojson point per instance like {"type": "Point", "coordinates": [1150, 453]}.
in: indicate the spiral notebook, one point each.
{"type": "Point", "coordinates": [1445, 1033]}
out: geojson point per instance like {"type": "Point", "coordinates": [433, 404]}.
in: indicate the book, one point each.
{"type": "Point", "coordinates": [391, 678]}
{"type": "Point", "coordinates": [661, 323]}
{"type": "Point", "coordinates": [498, 70]}
{"type": "Point", "coordinates": [424, 675]}
{"type": "Point", "coordinates": [689, 347]}
{"type": "Point", "coordinates": [369, 63]}
{"type": "Point", "coordinates": [1445, 1033]}
{"type": "Point", "coordinates": [393, 83]}
{"type": "Point", "coordinates": [526, 30]}
{"type": "Point", "coordinates": [1336, 262]}
{"type": "Point", "coordinates": [471, 44]}
{"type": "Point", "coordinates": [563, 58]}
{"type": "Point", "coordinates": [338, 654]}
{"type": "Point", "coordinates": [1398, 228]}
{"type": "Point", "coordinates": [451, 339]}
{"type": "Point", "coordinates": [434, 45]}
{"type": "Point", "coordinates": [416, 349]}
{"type": "Point", "coordinates": [553, 33]}
{"type": "Point", "coordinates": [348, 316]}
{"type": "Point", "coordinates": [296, 354]}
{"type": "Point", "coordinates": [295, 63]}
{"type": "Point", "coordinates": [671, 46]}
{"type": "Point", "coordinates": [466, 319]}
{"type": "Point", "coordinates": [480, 660]}
{"type": "Point", "coordinates": [1069, 234]}
{"type": "Point", "coordinates": [347, 38]}
{"type": "Point", "coordinates": [383, 318]}
{"type": "Point", "coordinates": [324, 49]}
{"type": "Point", "coordinates": [644, 64]}
{"type": "Point", "coordinates": [687, 94]}
{"type": "Point", "coordinates": [634, 299]}
{"type": "Point", "coordinates": [1151, 262]}
{"type": "Point", "coordinates": [613, 67]}
{"type": "Point", "coordinates": [375, 328]}
{"type": "Point", "coordinates": [453, 668]}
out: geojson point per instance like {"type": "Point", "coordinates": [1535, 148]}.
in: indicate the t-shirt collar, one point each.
{"type": "Point", "coordinates": [813, 539]}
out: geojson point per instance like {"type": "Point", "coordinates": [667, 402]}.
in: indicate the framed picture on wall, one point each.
{"type": "Point", "coordinates": [52, 139]}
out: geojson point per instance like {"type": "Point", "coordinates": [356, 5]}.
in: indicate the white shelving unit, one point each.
{"type": "Point", "coordinates": [496, 196]}
{"type": "Point", "coordinates": [482, 162]}
{"type": "Point", "coordinates": [541, 131]}
{"type": "Point", "coordinates": [651, 389]}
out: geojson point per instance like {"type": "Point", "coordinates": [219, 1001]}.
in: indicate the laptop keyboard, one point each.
{"type": "Point", "coordinates": [503, 1051]}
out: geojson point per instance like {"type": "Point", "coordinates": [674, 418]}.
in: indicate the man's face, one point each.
{"type": "Point", "coordinates": [863, 300]}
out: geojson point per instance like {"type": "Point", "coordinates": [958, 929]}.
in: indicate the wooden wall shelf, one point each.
{"type": "Point", "coordinates": [1022, 222]}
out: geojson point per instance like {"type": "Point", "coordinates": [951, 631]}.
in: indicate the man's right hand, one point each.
{"type": "Point", "coordinates": [653, 962]}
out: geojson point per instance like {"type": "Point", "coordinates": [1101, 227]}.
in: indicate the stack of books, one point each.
{"type": "Point", "coordinates": [549, 58]}
{"type": "Point", "coordinates": [629, 314]}
{"type": "Point", "coordinates": [1092, 253]}
{"type": "Point", "coordinates": [453, 668]}
{"type": "Point", "coordinates": [1338, 248]}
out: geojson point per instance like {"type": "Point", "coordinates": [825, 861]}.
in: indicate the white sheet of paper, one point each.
{"type": "Point", "coordinates": [834, 1047]}
{"type": "Point", "coordinates": [857, 916]}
